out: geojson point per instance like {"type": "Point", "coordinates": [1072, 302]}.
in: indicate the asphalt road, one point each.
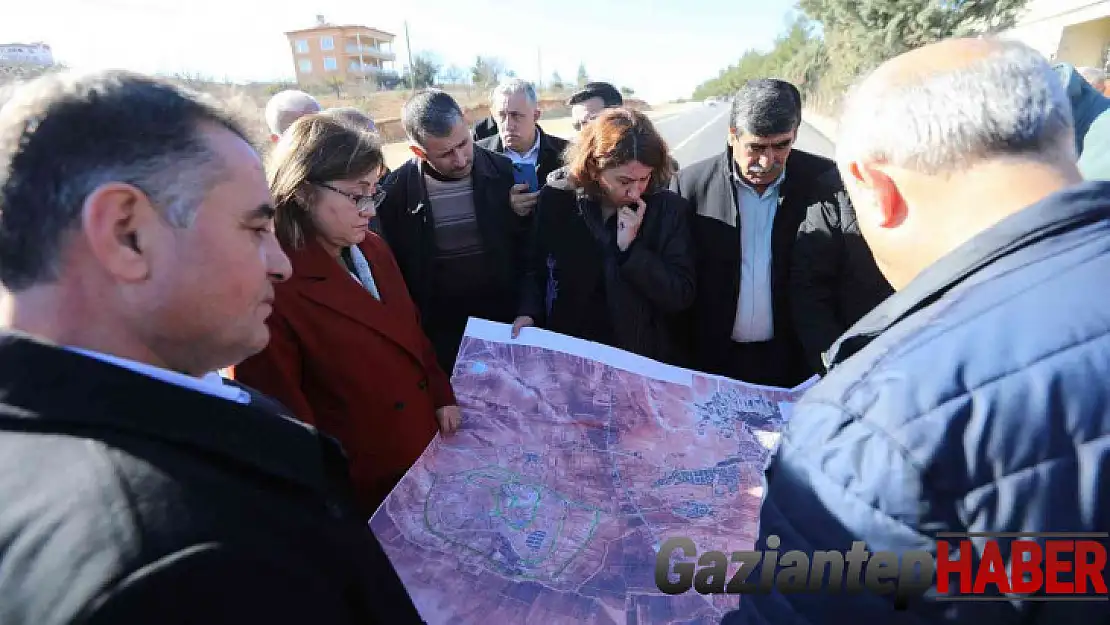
{"type": "Point", "coordinates": [699, 132]}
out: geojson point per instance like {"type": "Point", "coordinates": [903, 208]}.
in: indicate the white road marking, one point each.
{"type": "Point", "coordinates": [697, 132]}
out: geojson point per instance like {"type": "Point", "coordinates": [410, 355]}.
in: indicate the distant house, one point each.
{"type": "Point", "coordinates": [1071, 31]}
{"type": "Point", "coordinates": [350, 53]}
{"type": "Point", "coordinates": [38, 54]}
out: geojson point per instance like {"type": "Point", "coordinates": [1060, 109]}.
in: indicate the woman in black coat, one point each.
{"type": "Point", "coordinates": [610, 259]}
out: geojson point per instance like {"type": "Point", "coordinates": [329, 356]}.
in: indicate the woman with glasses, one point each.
{"type": "Point", "coordinates": [346, 351]}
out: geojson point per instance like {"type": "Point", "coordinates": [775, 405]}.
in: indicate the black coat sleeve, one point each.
{"type": "Point", "coordinates": [665, 276]}
{"type": "Point", "coordinates": [392, 206]}
{"type": "Point", "coordinates": [533, 284]}
{"type": "Point", "coordinates": [818, 260]}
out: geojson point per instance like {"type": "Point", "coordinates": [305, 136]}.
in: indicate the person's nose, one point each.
{"type": "Point", "coordinates": [278, 265]}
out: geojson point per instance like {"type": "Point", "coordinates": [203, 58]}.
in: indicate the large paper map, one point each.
{"type": "Point", "coordinates": [574, 463]}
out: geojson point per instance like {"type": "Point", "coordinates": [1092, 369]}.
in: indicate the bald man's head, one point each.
{"type": "Point", "coordinates": [287, 107]}
{"type": "Point", "coordinates": [944, 106]}
{"type": "Point", "coordinates": [941, 142]}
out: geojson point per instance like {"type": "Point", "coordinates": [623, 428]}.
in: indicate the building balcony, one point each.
{"type": "Point", "coordinates": [369, 51]}
{"type": "Point", "coordinates": [354, 68]}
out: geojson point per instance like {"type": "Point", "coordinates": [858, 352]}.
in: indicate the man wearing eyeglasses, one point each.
{"type": "Point", "coordinates": [454, 224]}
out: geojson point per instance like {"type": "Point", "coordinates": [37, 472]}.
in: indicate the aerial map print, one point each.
{"type": "Point", "coordinates": [574, 463]}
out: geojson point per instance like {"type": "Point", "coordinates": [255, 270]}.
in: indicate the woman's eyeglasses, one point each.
{"type": "Point", "coordinates": [362, 202]}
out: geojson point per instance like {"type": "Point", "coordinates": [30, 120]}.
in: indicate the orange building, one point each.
{"type": "Point", "coordinates": [350, 53]}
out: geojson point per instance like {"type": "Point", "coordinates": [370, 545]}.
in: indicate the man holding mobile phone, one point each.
{"type": "Point", "coordinates": [535, 154]}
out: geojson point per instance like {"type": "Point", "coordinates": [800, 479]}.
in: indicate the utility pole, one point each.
{"type": "Point", "coordinates": [539, 69]}
{"type": "Point", "coordinates": [408, 48]}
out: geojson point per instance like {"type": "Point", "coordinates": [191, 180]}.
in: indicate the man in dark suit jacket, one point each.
{"type": "Point", "coordinates": [138, 256]}
{"type": "Point", "coordinates": [486, 127]}
{"type": "Point", "coordinates": [516, 108]}
{"type": "Point", "coordinates": [748, 204]}
{"type": "Point", "coordinates": [457, 230]}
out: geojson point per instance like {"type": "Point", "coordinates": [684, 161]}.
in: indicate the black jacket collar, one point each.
{"type": "Point", "coordinates": [1060, 212]}
{"type": "Point", "coordinates": [44, 387]}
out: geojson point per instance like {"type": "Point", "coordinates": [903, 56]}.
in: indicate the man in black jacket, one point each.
{"type": "Point", "coordinates": [833, 276]}
{"type": "Point", "coordinates": [516, 108]}
{"type": "Point", "coordinates": [138, 256]}
{"type": "Point", "coordinates": [456, 227]}
{"type": "Point", "coordinates": [748, 204]}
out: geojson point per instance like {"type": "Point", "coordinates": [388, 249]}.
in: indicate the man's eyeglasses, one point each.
{"type": "Point", "coordinates": [362, 202]}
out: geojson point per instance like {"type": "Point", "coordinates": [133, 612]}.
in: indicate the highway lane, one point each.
{"type": "Point", "coordinates": [699, 132]}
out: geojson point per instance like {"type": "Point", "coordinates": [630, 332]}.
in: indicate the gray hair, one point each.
{"type": "Point", "coordinates": [514, 86]}
{"type": "Point", "coordinates": [766, 107]}
{"type": "Point", "coordinates": [287, 107]}
{"type": "Point", "coordinates": [1092, 75]}
{"type": "Point", "coordinates": [64, 135]}
{"type": "Point", "coordinates": [430, 113]}
{"type": "Point", "coordinates": [1008, 103]}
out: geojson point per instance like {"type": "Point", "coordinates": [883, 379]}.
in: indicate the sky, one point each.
{"type": "Point", "coordinates": [664, 50]}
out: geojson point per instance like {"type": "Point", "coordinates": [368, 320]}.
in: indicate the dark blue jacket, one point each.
{"type": "Point", "coordinates": [1091, 114]}
{"type": "Point", "coordinates": [977, 399]}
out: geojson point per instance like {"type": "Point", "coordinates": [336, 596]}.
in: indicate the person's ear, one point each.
{"type": "Point", "coordinates": [539, 114]}
{"type": "Point", "coordinates": [117, 221]}
{"type": "Point", "coordinates": [883, 190]}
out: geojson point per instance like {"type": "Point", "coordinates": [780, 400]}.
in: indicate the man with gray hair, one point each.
{"type": "Point", "coordinates": [137, 254]}
{"type": "Point", "coordinates": [516, 108]}
{"type": "Point", "coordinates": [454, 223]}
{"type": "Point", "coordinates": [972, 402]}
{"type": "Point", "coordinates": [287, 107]}
{"type": "Point", "coordinates": [748, 204]}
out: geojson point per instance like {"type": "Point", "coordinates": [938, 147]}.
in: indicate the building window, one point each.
{"type": "Point", "coordinates": [329, 63]}
{"type": "Point", "coordinates": [327, 43]}
{"type": "Point", "coordinates": [302, 46]}
{"type": "Point", "coordinates": [306, 66]}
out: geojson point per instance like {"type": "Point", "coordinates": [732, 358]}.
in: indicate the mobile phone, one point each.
{"type": "Point", "coordinates": [523, 173]}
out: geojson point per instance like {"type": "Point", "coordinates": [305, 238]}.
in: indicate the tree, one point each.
{"type": "Point", "coordinates": [832, 42]}
{"type": "Point", "coordinates": [583, 77]}
{"type": "Point", "coordinates": [628, 91]}
{"type": "Point", "coordinates": [336, 84]}
{"type": "Point", "coordinates": [452, 75]}
{"type": "Point", "coordinates": [487, 71]}
{"type": "Point", "coordinates": [557, 82]}
{"type": "Point", "coordinates": [424, 70]}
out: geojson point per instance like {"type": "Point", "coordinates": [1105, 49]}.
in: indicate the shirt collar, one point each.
{"type": "Point", "coordinates": [211, 383]}
{"type": "Point", "coordinates": [61, 389]}
{"type": "Point", "coordinates": [531, 152]}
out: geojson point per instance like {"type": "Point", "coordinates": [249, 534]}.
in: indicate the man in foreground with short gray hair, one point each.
{"type": "Point", "coordinates": [974, 399]}
{"type": "Point", "coordinates": [137, 254]}
{"type": "Point", "coordinates": [454, 224]}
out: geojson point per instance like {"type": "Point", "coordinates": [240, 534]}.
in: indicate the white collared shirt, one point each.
{"type": "Point", "coordinates": [530, 157]}
{"type": "Point", "coordinates": [754, 320]}
{"type": "Point", "coordinates": [212, 383]}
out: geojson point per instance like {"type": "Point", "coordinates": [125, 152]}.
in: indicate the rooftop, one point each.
{"type": "Point", "coordinates": [320, 27]}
